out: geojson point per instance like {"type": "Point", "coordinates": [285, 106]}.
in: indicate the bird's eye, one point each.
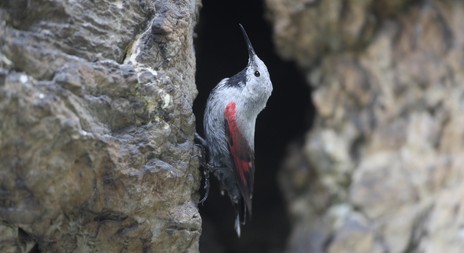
{"type": "Point", "coordinates": [257, 74]}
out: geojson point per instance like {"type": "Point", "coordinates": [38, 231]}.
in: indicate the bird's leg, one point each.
{"type": "Point", "coordinates": [199, 140]}
{"type": "Point", "coordinates": [206, 187]}
{"type": "Point", "coordinates": [201, 143]}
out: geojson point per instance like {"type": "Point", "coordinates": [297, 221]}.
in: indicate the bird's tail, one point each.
{"type": "Point", "coordinates": [237, 225]}
{"type": "Point", "coordinates": [241, 212]}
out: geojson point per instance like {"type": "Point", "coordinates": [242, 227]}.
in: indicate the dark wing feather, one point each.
{"type": "Point", "coordinates": [242, 155]}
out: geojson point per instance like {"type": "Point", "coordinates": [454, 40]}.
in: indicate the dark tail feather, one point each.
{"type": "Point", "coordinates": [241, 210]}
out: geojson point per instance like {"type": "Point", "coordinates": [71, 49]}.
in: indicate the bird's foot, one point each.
{"type": "Point", "coordinates": [201, 144]}
{"type": "Point", "coordinates": [207, 168]}
{"type": "Point", "coordinates": [206, 186]}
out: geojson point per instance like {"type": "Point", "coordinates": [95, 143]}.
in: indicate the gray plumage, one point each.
{"type": "Point", "coordinates": [229, 124]}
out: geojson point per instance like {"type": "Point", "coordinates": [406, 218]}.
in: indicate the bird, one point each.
{"type": "Point", "coordinates": [229, 127]}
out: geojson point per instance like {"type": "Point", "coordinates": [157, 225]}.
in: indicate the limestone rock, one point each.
{"type": "Point", "coordinates": [381, 170]}
{"type": "Point", "coordinates": [96, 126]}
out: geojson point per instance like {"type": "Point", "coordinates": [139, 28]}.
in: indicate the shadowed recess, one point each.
{"type": "Point", "coordinates": [221, 52]}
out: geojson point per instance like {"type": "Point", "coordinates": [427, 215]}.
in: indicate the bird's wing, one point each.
{"type": "Point", "coordinates": [242, 155]}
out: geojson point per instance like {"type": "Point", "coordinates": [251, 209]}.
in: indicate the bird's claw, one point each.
{"type": "Point", "coordinates": [206, 187]}
{"type": "Point", "coordinates": [201, 143]}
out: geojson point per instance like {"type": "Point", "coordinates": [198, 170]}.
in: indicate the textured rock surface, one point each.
{"type": "Point", "coordinates": [382, 168]}
{"type": "Point", "coordinates": [96, 126]}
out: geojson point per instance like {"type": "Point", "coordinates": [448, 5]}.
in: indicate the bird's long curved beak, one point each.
{"type": "Point", "coordinates": [251, 51]}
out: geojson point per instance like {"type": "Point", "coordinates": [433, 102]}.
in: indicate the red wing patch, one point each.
{"type": "Point", "coordinates": [241, 153]}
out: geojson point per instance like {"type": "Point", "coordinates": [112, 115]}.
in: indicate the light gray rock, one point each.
{"type": "Point", "coordinates": [388, 141]}
{"type": "Point", "coordinates": [96, 126]}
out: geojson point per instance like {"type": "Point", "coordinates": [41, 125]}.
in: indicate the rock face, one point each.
{"type": "Point", "coordinates": [96, 126]}
{"type": "Point", "coordinates": [382, 168]}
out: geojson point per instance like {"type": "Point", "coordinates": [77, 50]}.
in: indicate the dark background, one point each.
{"type": "Point", "coordinates": [221, 52]}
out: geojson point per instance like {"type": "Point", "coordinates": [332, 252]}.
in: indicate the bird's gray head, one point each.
{"type": "Point", "coordinates": [258, 86]}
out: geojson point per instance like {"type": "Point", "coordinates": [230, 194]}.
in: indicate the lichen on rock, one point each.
{"type": "Point", "coordinates": [96, 127]}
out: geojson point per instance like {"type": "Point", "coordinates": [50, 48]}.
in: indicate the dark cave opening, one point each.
{"type": "Point", "coordinates": [221, 52]}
